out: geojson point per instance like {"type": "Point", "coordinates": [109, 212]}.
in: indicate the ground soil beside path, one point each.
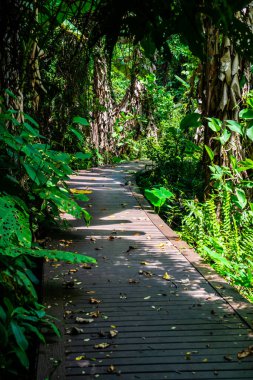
{"type": "Point", "coordinates": [144, 311]}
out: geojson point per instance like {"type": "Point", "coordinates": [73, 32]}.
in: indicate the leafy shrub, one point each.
{"type": "Point", "coordinates": [37, 173]}
{"type": "Point", "coordinates": [221, 227]}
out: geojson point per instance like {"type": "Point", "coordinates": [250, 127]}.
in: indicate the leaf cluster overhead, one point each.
{"type": "Point", "coordinates": [151, 22]}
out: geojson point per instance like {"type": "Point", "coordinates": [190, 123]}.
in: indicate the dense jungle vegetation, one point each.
{"type": "Point", "coordinates": [86, 83]}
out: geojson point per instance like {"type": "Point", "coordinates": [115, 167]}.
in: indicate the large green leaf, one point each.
{"type": "Point", "coordinates": [25, 282]}
{"type": "Point", "coordinates": [64, 201]}
{"type": "Point", "coordinates": [240, 198]}
{"type": "Point", "coordinates": [77, 133]}
{"type": "Point", "coordinates": [214, 124]}
{"type": "Point", "coordinates": [80, 120]}
{"type": "Point", "coordinates": [209, 152]}
{"type": "Point", "coordinates": [34, 330]}
{"type": "Point", "coordinates": [247, 164]}
{"type": "Point", "coordinates": [83, 156]}
{"type": "Point", "coordinates": [191, 120]}
{"type": "Point", "coordinates": [224, 137]}
{"type": "Point", "coordinates": [234, 126]}
{"type": "Point", "coordinates": [14, 223]}
{"type": "Point", "coordinates": [19, 335]}
{"type": "Point", "coordinates": [32, 172]}
{"type": "Point", "coordinates": [217, 257]}
{"type": "Point", "coordinates": [158, 196]}
{"type": "Point", "coordinates": [249, 133]}
{"type": "Point", "coordinates": [32, 131]}
{"type": "Point", "coordinates": [71, 257]}
{"type": "Point", "coordinates": [246, 114]}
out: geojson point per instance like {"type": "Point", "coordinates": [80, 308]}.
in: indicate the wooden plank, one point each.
{"type": "Point", "coordinates": [158, 321]}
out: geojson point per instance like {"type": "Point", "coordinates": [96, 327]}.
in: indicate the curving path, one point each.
{"type": "Point", "coordinates": [145, 311]}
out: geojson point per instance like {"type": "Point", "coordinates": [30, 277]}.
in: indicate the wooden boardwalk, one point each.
{"type": "Point", "coordinates": [121, 318]}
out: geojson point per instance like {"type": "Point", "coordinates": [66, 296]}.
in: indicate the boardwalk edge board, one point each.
{"type": "Point", "coordinates": [238, 303]}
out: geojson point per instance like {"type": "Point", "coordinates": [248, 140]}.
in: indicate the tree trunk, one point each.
{"type": "Point", "coordinates": [225, 79]}
{"type": "Point", "coordinates": [103, 105]}
{"type": "Point", "coordinates": [106, 111]}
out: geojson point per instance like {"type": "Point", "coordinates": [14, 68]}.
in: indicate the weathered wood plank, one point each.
{"type": "Point", "coordinates": [158, 321]}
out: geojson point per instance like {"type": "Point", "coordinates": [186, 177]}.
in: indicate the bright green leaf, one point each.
{"type": "Point", "coordinates": [80, 120]}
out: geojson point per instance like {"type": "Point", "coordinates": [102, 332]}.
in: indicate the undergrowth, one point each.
{"type": "Point", "coordinates": [32, 193]}
{"type": "Point", "coordinates": [219, 225]}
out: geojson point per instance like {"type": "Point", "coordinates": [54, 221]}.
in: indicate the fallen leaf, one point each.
{"type": "Point", "coordinates": [83, 320]}
{"type": "Point", "coordinates": [205, 360]}
{"type": "Point", "coordinates": [92, 238]}
{"type": "Point", "coordinates": [111, 369]}
{"type": "Point", "coordinates": [148, 237]}
{"type": "Point", "coordinates": [166, 276]}
{"type": "Point", "coordinates": [113, 326]}
{"type": "Point", "coordinates": [161, 245]}
{"type": "Point", "coordinates": [111, 237]}
{"type": "Point", "coordinates": [113, 333]}
{"type": "Point", "coordinates": [188, 355]}
{"type": "Point", "coordinates": [133, 281]}
{"type": "Point", "coordinates": [80, 191]}
{"type": "Point", "coordinates": [81, 357]}
{"type": "Point", "coordinates": [147, 298]}
{"type": "Point", "coordinates": [94, 301]}
{"type": "Point", "coordinates": [74, 331]}
{"type": "Point", "coordinates": [86, 266]}
{"type": "Point", "coordinates": [69, 284]}
{"type": "Point", "coordinates": [228, 358]}
{"type": "Point", "coordinates": [90, 292]}
{"type": "Point", "coordinates": [145, 263]}
{"type": "Point", "coordinates": [130, 248]}
{"type": "Point", "coordinates": [245, 353]}
{"type": "Point", "coordinates": [146, 273]}
{"type": "Point", "coordinates": [102, 345]}
{"type": "Point", "coordinates": [73, 270]}
{"type": "Point", "coordinates": [95, 314]}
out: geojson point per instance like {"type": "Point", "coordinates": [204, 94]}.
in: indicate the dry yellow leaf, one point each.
{"type": "Point", "coordinates": [81, 357]}
{"type": "Point", "coordinates": [102, 345]}
{"type": "Point", "coordinates": [73, 270]}
{"type": "Point", "coordinates": [113, 333]}
{"type": "Point", "coordinates": [80, 191]}
{"type": "Point", "coordinates": [166, 276]}
{"type": "Point", "coordinates": [94, 301]}
{"type": "Point", "coordinates": [111, 369]}
{"type": "Point", "coordinates": [245, 353]}
{"type": "Point", "coordinates": [95, 314]}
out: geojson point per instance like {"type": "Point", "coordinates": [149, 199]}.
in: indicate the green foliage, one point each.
{"type": "Point", "coordinates": [37, 173]}
{"type": "Point", "coordinates": [220, 228]}
{"type": "Point", "coordinates": [34, 168]}
{"type": "Point", "coordinates": [21, 316]}
{"type": "Point", "coordinates": [176, 164]}
{"type": "Point", "coordinates": [158, 197]}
